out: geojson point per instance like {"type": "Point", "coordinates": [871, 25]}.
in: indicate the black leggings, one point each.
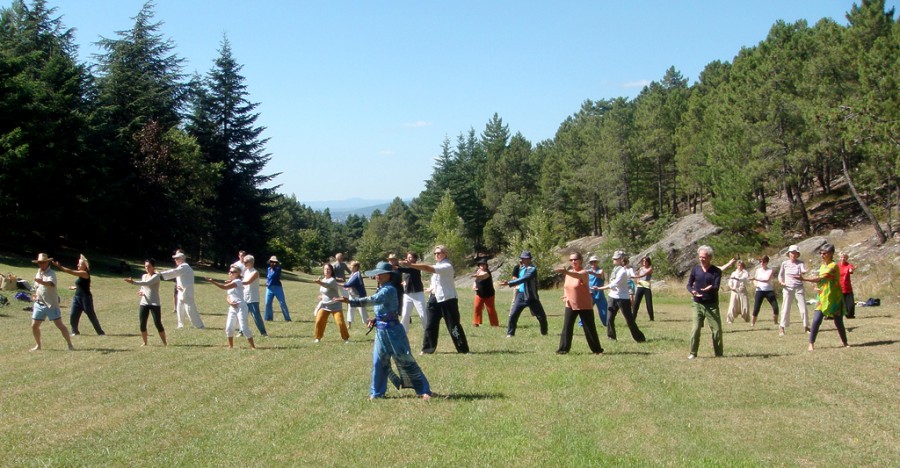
{"type": "Point", "coordinates": [145, 311]}
{"type": "Point", "coordinates": [640, 294]}
{"type": "Point", "coordinates": [838, 323]}
{"type": "Point", "coordinates": [770, 296]}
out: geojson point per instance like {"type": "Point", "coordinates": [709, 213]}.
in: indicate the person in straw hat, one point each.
{"type": "Point", "coordinates": [46, 302]}
{"type": "Point", "coordinates": [275, 291]}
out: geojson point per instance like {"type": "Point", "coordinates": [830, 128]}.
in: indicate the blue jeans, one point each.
{"type": "Point", "coordinates": [253, 307]}
{"type": "Point", "coordinates": [391, 342]}
{"type": "Point", "coordinates": [602, 307]}
{"type": "Point", "coordinates": [278, 293]}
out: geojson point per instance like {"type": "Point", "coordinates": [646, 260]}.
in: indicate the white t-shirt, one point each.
{"type": "Point", "coordinates": [443, 281]}
{"type": "Point", "coordinates": [236, 294]}
{"type": "Point", "coordinates": [251, 290]}
{"type": "Point", "coordinates": [763, 279]}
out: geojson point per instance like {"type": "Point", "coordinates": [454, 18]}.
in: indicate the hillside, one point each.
{"type": "Point", "coordinates": [835, 218]}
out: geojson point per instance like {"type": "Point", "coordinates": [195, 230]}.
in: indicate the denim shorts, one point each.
{"type": "Point", "coordinates": [44, 312]}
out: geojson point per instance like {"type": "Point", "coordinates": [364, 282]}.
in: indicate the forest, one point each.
{"type": "Point", "coordinates": [130, 156]}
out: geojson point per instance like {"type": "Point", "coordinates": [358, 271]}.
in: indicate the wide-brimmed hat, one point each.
{"type": "Point", "coordinates": [525, 254]}
{"type": "Point", "coordinates": [618, 254]}
{"type": "Point", "coordinates": [42, 257]}
{"type": "Point", "coordinates": [593, 259]}
{"type": "Point", "coordinates": [794, 248]}
{"type": "Point", "coordinates": [179, 255]}
{"type": "Point", "coordinates": [480, 260]}
{"type": "Point", "coordinates": [380, 269]}
{"type": "Point", "coordinates": [273, 259]}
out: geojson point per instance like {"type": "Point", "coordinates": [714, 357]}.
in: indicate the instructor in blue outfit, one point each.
{"type": "Point", "coordinates": [527, 286]}
{"type": "Point", "coordinates": [390, 339]}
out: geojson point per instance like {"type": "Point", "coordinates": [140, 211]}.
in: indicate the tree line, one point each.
{"type": "Point", "coordinates": [793, 115]}
{"type": "Point", "coordinates": [131, 155]}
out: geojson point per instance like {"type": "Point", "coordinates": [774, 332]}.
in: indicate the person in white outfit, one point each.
{"type": "Point", "coordinates": [737, 283]}
{"type": "Point", "coordinates": [790, 277]}
{"type": "Point", "coordinates": [237, 307]}
{"type": "Point", "coordinates": [184, 281]}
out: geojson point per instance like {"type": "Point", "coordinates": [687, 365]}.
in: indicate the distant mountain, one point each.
{"type": "Point", "coordinates": [341, 209]}
{"type": "Point", "coordinates": [349, 204]}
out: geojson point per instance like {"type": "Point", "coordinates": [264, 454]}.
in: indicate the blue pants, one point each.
{"type": "Point", "coordinates": [253, 307]}
{"type": "Point", "coordinates": [84, 304]}
{"type": "Point", "coordinates": [391, 343]}
{"type": "Point", "coordinates": [521, 303]}
{"type": "Point", "coordinates": [602, 307]}
{"type": "Point", "coordinates": [276, 292]}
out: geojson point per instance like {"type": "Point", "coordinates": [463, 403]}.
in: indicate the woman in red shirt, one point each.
{"type": "Point", "coordinates": [847, 288]}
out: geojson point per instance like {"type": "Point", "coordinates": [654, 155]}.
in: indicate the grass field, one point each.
{"type": "Point", "coordinates": [511, 402]}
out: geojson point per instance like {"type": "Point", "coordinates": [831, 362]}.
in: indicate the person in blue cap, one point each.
{"type": "Point", "coordinates": [390, 339]}
{"type": "Point", "coordinates": [527, 285]}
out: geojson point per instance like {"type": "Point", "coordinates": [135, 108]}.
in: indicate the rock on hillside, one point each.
{"type": "Point", "coordinates": [681, 241]}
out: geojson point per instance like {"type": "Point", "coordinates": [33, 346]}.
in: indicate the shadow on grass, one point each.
{"type": "Point", "coordinates": [607, 352]}
{"type": "Point", "coordinates": [470, 396]}
{"type": "Point", "coordinates": [745, 330]}
{"type": "Point", "coordinates": [758, 355]}
{"type": "Point", "coordinates": [131, 335]}
{"type": "Point", "coordinates": [103, 350]}
{"type": "Point", "coordinates": [874, 343]}
{"type": "Point", "coordinates": [498, 351]}
{"type": "Point", "coordinates": [194, 346]}
{"type": "Point", "coordinates": [864, 317]}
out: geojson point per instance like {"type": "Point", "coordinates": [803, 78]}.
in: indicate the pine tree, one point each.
{"type": "Point", "coordinates": [43, 128]}
{"type": "Point", "coordinates": [139, 86]}
{"type": "Point", "coordinates": [224, 123]}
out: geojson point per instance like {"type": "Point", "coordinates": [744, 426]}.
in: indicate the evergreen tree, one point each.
{"type": "Point", "coordinates": [139, 84]}
{"type": "Point", "coordinates": [43, 128]}
{"type": "Point", "coordinates": [224, 123]}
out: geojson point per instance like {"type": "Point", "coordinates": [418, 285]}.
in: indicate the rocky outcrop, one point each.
{"type": "Point", "coordinates": [680, 243]}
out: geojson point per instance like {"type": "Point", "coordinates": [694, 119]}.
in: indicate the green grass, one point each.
{"type": "Point", "coordinates": [509, 402]}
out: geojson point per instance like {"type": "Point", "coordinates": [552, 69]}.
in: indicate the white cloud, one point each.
{"type": "Point", "coordinates": [418, 124]}
{"type": "Point", "coordinates": [387, 153]}
{"type": "Point", "coordinates": [636, 84]}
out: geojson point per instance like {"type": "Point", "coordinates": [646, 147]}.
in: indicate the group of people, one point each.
{"type": "Point", "coordinates": [242, 289]}
{"type": "Point", "coordinates": [835, 294]}
{"type": "Point", "coordinates": [400, 289]}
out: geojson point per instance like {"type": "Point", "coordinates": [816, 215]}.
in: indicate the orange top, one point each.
{"type": "Point", "coordinates": [578, 295]}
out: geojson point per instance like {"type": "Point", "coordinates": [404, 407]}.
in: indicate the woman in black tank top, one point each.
{"type": "Point", "coordinates": [83, 301]}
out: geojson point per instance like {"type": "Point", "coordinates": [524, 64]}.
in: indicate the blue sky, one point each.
{"type": "Point", "coordinates": [357, 96]}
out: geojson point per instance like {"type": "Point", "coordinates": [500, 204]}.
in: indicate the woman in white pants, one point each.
{"type": "Point", "coordinates": [237, 307]}
{"type": "Point", "coordinates": [790, 277]}
{"type": "Point", "coordinates": [737, 283]}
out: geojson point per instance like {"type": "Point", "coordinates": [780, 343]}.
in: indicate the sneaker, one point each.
{"type": "Point", "coordinates": [316, 340]}
{"type": "Point", "coordinates": [692, 357]}
{"type": "Point", "coordinates": [347, 341]}
{"type": "Point", "coordinates": [509, 336]}
{"type": "Point", "coordinates": [74, 333]}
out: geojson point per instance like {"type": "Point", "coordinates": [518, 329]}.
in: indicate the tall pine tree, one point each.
{"type": "Point", "coordinates": [224, 123]}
